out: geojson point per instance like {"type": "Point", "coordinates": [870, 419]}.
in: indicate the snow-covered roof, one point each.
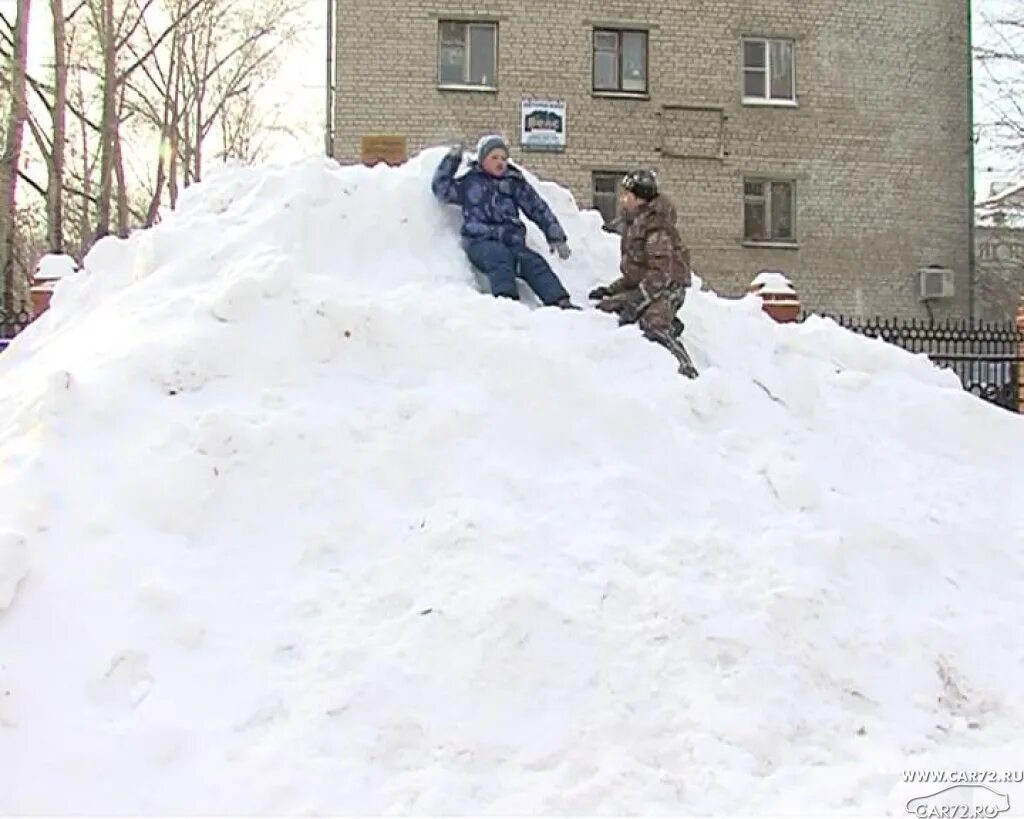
{"type": "Point", "coordinates": [772, 282]}
{"type": "Point", "coordinates": [55, 266]}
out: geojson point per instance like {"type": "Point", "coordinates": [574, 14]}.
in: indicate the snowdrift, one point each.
{"type": "Point", "coordinates": [294, 519]}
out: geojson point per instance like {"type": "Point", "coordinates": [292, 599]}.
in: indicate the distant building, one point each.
{"type": "Point", "coordinates": [999, 253]}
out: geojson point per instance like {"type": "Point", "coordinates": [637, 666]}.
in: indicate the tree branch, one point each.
{"type": "Point", "coordinates": [32, 183]}
{"type": "Point", "coordinates": [156, 44]}
{"type": "Point", "coordinates": [135, 26]}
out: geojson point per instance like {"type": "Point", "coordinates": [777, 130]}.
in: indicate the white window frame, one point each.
{"type": "Point", "coordinates": [765, 199]}
{"type": "Point", "coordinates": [768, 99]}
{"type": "Point", "coordinates": [619, 34]}
{"type": "Point", "coordinates": [466, 84]}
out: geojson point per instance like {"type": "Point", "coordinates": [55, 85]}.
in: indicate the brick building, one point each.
{"type": "Point", "coordinates": [828, 138]}
{"type": "Point", "coordinates": [999, 254]}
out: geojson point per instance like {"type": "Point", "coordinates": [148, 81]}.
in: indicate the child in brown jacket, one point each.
{"type": "Point", "coordinates": [655, 267]}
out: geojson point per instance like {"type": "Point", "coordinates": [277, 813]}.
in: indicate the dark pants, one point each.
{"type": "Point", "coordinates": [657, 321]}
{"type": "Point", "coordinates": [501, 264]}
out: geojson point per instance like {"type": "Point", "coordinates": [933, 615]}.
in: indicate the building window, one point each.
{"type": "Point", "coordinates": [768, 71]}
{"type": "Point", "coordinates": [620, 61]}
{"type": "Point", "coordinates": [768, 208]}
{"type": "Point", "coordinates": [467, 54]}
{"type": "Point", "coordinates": [604, 187]}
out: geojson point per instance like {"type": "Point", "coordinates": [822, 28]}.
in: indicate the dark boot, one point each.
{"type": "Point", "coordinates": [687, 369]}
{"type": "Point", "coordinates": [566, 304]}
{"type": "Point", "coordinates": [674, 346]}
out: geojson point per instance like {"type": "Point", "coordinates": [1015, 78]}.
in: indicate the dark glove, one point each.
{"type": "Point", "coordinates": [561, 248]}
{"type": "Point", "coordinates": [599, 293]}
{"type": "Point", "coordinates": [629, 313]}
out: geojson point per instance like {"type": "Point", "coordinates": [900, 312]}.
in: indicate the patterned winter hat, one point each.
{"type": "Point", "coordinates": [489, 143]}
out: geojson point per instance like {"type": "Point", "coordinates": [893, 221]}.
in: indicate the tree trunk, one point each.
{"type": "Point", "coordinates": [203, 75]}
{"type": "Point", "coordinates": [85, 214]}
{"type": "Point", "coordinates": [9, 162]}
{"type": "Point", "coordinates": [55, 188]}
{"type": "Point", "coordinates": [119, 171]}
{"type": "Point", "coordinates": [108, 39]}
{"type": "Point", "coordinates": [197, 156]}
{"type": "Point", "coordinates": [175, 136]}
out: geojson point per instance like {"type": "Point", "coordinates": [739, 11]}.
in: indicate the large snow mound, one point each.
{"type": "Point", "coordinates": [295, 519]}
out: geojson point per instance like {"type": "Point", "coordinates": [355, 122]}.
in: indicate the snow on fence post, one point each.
{"type": "Point", "coordinates": [51, 269]}
{"type": "Point", "coordinates": [778, 297]}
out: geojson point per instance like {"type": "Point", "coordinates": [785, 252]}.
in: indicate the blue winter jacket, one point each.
{"type": "Point", "coordinates": [491, 205]}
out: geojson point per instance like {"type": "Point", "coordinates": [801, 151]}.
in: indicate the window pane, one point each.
{"type": "Point", "coordinates": [481, 55]}
{"type": "Point", "coordinates": [782, 210]}
{"type": "Point", "coordinates": [451, 70]}
{"type": "Point", "coordinates": [753, 54]}
{"type": "Point", "coordinates": [452, 33]}
{"type": "Point", "coordinates": [754, 83]}
{"type": "Point", "coordinates": [634, 61]}
{"type": "Point", "coordinates": [607, 205]}
{"type": "Point", "coordinates": [782, 69]}
{"type": "Point", "coordinates": [753, 188]}
{"type": "Point", "coordinates": [451, 53]}
{"type": "Point", "coordinates": [606, 71]}
{"type": "Point", "coordinates": [606, 41]}
{"type": "Point", "coordinates": [605, 193]}
{"type": "Point", "coordinates": [753, 220]}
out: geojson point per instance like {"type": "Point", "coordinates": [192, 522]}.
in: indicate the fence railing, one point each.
{"type": "Point", "coordinates": [987, 357]}
{"type": "Point", "coordinates": [12, 322]}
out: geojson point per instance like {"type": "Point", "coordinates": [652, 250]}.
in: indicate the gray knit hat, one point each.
{"type": "Point", "coordinates": [489, 143]}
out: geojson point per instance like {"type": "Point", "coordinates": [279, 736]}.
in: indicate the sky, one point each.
{"type": "Point", "coordinates": [296, 520]}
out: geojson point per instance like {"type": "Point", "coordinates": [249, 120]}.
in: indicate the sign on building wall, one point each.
{"type": "Point", "coordinates": [543, 125]}
{"type": "Point", "coordinates": [388, 148]}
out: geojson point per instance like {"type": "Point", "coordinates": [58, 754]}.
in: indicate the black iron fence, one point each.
{"type": "Point", "coordinates": [986, 356]}
{"type": "Point", "coordinates": [12, 323]}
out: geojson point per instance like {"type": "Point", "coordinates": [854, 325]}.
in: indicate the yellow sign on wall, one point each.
{"type": "Point", "coordinates": [387, 148]}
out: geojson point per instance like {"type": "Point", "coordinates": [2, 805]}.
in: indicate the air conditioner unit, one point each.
{"type": "Point", "coordinates": [936, 283]}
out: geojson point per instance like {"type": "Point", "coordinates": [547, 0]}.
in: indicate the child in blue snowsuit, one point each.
{"type": "Point", "coordinates": [491, 195]}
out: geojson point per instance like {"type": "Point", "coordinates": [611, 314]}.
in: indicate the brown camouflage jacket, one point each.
{"type": "Point", "coordinates": [653, 253]}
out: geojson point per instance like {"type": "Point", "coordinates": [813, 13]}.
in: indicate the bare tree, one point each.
{"type": "Point", "coordinates": [82, 157]}
{"type": "Point", "coordinates": [10, 161]}
{"type": "Point", "coordinates": [50, 133]}
{"type": "Point", "coordinates": [208, 77]}
{"type": "Point", "coordinates": [187, 74]}
{"type": "Point", "coordinates": [999, 59]}
{"type": "Point", "coordinates": [115, 32]}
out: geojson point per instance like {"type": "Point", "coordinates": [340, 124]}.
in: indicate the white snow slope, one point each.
{"type": "Point", "coordinates": [294, 519]}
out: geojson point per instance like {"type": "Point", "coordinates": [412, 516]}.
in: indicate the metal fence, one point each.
{"type": "Point", "coordinates": [12, 323]}
{"type": "Point", "coordinates": [986, 356]}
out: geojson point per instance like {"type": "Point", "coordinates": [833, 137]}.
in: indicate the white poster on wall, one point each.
{"type": "Point", "coordinates": [543, 125]}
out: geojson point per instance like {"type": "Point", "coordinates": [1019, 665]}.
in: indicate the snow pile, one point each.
{"type": "Point", "coordinates": [294, 519]}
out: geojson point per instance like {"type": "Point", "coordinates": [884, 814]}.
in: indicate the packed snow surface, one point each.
{"type": "Point", "coordinates": [294, 518]}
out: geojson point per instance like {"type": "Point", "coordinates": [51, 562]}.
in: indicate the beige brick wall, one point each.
{"type": "Point", "coordinates": [879, 144]}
